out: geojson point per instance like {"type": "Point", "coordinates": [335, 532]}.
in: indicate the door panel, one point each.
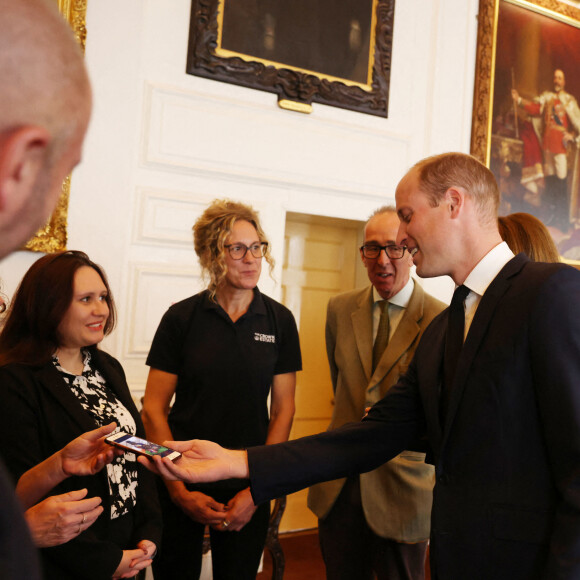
{"type": "Point", "coordinates": [321, 260]}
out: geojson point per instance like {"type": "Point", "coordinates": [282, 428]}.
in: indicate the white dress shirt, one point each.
{"type": "Point", "coordinates": [481, 277]}
{"type": "Point", "coordinates": [397, 305]}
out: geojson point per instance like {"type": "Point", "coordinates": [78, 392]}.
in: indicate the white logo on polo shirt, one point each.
{"type": "Point", "coordinates": [264, 337]}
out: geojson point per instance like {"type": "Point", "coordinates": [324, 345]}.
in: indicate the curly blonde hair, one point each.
{"type": "Point", "coordinates": [210, 233]}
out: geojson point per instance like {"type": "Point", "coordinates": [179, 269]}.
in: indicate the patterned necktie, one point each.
{"type": "Point", "coordinates": [382, 337]}
{"type": "Point", "coordinates": [453, 341]}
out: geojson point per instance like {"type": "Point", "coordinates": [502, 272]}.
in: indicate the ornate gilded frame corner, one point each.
{"type": "Point", "coordinates": [485, 67]}
{"type": "Point", "coordinates": [296, 88]}
{"type": "Point", "coordinates": [75, 12]}
{"type": "Point", "coordinates": [53, 236]}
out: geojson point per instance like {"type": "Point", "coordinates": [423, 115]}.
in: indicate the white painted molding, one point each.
{"type": "Point", "coordinates": [205, 135]}
{"type": "Point", "coordinates": [154, 288]}
{"type": "Point", "coordinates": [165, 217]}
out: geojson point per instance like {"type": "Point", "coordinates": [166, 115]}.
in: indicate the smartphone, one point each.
{"type": "Point", "coordinates": [141, 446]}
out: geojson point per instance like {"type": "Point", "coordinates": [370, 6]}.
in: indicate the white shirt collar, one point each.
{"type": "Point", "coordinates": [482, 276]}
{"type": "Point", "coordinates": [488, 268]}
{"type": "Point", "coordinates": [401, 298]}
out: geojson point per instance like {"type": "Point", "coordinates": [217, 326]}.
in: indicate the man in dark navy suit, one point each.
{"type": "Point", "coordinates": [499, 407]}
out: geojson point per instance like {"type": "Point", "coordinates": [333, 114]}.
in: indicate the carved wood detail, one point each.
{"type": "Point", "coordinates": [287, 83]}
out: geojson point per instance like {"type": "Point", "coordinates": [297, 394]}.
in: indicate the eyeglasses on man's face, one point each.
{"type": "Point", "coordinates": [239, 251]}
{"type": "Point", "coordinates": [373, 251]}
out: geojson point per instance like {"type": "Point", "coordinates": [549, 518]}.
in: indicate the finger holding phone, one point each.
{"type": "Point", "coordinates": [128, 442]}
{"type": "Point", "coordinates": [198, 506]}
{"type": "Point", "coordinates": [85, 455]}
{"type": "Point", "coordinates": [201, 461]}
{"type": "Point", "coordinates": [89, 453]}
{"type": "Point", "coordinates": [59, 518]}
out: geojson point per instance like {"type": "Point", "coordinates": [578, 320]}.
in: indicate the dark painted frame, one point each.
{"type": "Point", "coordinates": [302, 87]}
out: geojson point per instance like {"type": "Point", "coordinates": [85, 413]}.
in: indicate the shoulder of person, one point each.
{"type": "Point", "coordinates": [541, 271]}
{"type": "Point", "coordinates": [545, 96]}
{"type": "Point", "coordinates": [104, 361]}
{"type": "Point", "coordinates": [433, 303]}
{"type": "Point", "coordinates": [568, 98]}
{"type": "Point", "coordinates": [187, 304]}
{"type": "Point", "coordinates": [527, 278]}
{"type": "Point", "coordinates": [179, 313]}
{"type": "Point", "coordinates": [339, 300]}
{"type": "Point", "coordinates": [17, 369]}
{"type": "Point", "coordinates": [274, 305]}
{"type": "Point", "coordinates": [24, 380]}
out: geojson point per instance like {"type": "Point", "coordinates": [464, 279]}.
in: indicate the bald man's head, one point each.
{"type": "Point", "coordinates": [45, 103]}
{"type": "Point", "coordinates": [41, 66]}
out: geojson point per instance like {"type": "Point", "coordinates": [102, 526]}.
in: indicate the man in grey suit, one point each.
{"type": "Point", "coordinates": [377, 522]}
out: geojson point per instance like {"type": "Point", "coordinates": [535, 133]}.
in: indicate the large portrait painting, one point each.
{"type": "Point", "coordinates": [53, 237]}
{"type": "Point", "coordinates": [336, 52]}
{"type": "Point", "coordinates": [526, 118]}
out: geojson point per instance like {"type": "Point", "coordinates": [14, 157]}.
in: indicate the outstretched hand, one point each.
{"type": "Point", "coordinates": [84, 455]}
{"type": "Point", "coordinates": [88, 453]}
{"type": "Point", "coordinates": [201, 461]}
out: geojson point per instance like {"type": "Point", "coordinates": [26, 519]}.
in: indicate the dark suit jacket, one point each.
{"type": "Point", "coordinates": [18, 555]}
{"type": "Point", "coordinates": [507, 495]}
{"type": "Point", "coordinates": [39, 415]}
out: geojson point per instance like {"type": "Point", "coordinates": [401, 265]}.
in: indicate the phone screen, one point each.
{"type": "Point", "coordinates": [143, 446]}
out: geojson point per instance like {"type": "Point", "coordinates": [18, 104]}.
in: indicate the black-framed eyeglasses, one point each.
{"type": "Point", "coordinates": [373, 251]}
{"type": "Point", "coordinates": [239, 251]}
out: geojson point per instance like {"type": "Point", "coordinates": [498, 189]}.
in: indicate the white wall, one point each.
{"type": "Point", "coordinates": [162, 144]}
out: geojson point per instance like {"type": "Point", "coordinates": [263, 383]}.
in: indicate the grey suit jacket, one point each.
{"type": "Point", "coordinates": [397, 496]}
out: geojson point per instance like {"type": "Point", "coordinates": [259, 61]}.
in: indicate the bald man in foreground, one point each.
{"type": "Point", "coordinates": [45, 102]}
{"type": "Point", "coordinates": [493, 387]}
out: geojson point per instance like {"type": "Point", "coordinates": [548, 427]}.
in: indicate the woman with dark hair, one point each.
{"type": "Point", "coordinates": [54, 386]}
{"type": "Point", "coordinates": [221, 353]}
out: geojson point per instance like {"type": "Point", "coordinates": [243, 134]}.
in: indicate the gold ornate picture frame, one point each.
{"type": "Point", "coordinates": [53, 237]}
{"type": "Point", "coordinates": [520, 45]}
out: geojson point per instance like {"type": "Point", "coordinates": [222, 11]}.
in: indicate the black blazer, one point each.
{"type": "Point", "coordinates": [507, 495]}
{"type": "Point", "coordinates": [39, 415]}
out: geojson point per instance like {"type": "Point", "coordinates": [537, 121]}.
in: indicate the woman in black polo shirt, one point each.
{"type": "Point", "coordinates": [221, 353]}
